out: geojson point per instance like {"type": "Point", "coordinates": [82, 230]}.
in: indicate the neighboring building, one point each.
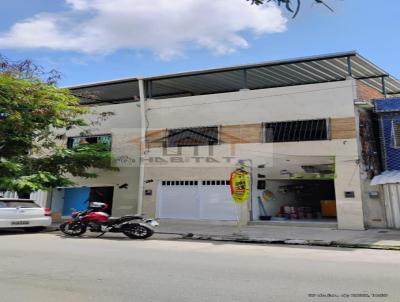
{"type": "Point", "coordinates": [304, 127]}
{"type": "Point", "coordinates": [388, 111]}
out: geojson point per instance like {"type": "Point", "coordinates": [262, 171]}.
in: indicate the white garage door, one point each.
{"type": "Point", "coordinates": [206, 200]}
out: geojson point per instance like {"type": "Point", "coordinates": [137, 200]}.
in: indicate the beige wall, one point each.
{"type": "Point", "coordinates": [328, 100]}
{"type": "Point", "coordinates": [254, 106]}
{"type": "Point", "coordinates": [124, 125]}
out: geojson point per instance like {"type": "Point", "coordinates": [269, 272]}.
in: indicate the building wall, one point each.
{"type": "Point", "coordinates": [255, 106]}
{"type": "Point", "coordinates": [364, 92]}
{"type": "Point", "coordinates": [328, 100]}
{"type": "Point", "coordinates": [374, 208]}
{"type": "Point", "coordinates": [124, 126]}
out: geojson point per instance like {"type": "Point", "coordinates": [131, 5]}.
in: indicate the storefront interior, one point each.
{"type": "Point", "coordinates": [296, 191]}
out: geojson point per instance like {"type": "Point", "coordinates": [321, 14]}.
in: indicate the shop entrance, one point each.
{"type": "Point", "coordinates": [297, 201]}
{"type": "Point", "coordinates": [78, 198]}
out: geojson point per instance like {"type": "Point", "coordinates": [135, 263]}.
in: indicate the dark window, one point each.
{"type": "Point", "coordinates": [292, 131]}
{"type": "Point", "coordinates": [186, 137]}
{"type": "Point", "coordinates": [74, 142]}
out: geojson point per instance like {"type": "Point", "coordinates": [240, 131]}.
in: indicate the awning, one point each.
{"type": "Point", "coordinates": [387, 177]}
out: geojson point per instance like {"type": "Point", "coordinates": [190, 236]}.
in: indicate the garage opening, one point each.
{"type": "Point", "coordinates": [297, 201]}
{"type": "Point", "coordinates": [196, 200]}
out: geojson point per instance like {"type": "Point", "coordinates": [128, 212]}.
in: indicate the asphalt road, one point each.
{"type": "Point", "coordinates": [49, 267]}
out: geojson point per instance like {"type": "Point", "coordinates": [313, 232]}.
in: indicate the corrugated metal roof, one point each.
{"type": "Point", "coordinates": [387, 177]}
{"type": "Point", "coordinates": [299, 71]}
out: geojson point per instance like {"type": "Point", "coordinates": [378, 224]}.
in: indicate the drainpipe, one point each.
{"type": "Point", "coordinates": [142, 145]}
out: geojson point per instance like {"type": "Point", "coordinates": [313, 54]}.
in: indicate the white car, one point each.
{"type": "Point", "coordinates": [23, 213]}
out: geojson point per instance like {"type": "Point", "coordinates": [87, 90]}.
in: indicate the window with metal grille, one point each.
{"type": "Point", "coordinates": [396, 134]}
{"type": "Point", "coordinates": [291, 131]}
{"type": "Point", "coordinates": [74, 142]}
{"type": "Point", "coordinates": [186, 137]}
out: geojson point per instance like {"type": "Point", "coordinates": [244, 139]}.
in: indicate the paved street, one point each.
{"type": "Point", "coordinates": [49, 267]}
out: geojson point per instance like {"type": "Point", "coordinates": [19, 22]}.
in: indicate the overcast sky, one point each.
{"type": "Point", "coordinates": [93, 40]}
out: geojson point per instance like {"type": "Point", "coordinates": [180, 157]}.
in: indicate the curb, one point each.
{"type": "Point", "coordinates": [243, 239]}
{"type": "Point", "coordinates": [51, 229]}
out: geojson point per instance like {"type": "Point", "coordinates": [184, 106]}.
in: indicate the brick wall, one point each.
{"type": "Point", "coordinates": [364, 92]}
{"type": "Point", "coordinates": [241, 134]}
{"type": "Point", "coordinates": [155, 138]}
{"type": "Point", "coordinates": [343, 128]}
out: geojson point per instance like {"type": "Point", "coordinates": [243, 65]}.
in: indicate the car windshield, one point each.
{"type": "Point", "coordinates": [12, 203]}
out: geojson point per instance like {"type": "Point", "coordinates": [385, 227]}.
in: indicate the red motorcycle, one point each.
{"type": "Point", "coordinates": [96, 220]}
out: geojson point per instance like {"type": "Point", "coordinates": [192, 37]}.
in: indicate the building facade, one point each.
{"type": "Point", "coordinates": [301, 127]}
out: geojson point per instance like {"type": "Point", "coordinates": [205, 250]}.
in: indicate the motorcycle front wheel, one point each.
{"type": "Point", "coordinates": [138, 232]}
{"type": "Point", "coordinates": [73, 229]}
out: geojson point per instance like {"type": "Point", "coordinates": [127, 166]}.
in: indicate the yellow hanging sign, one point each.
{"type": "Point", "coordinates": [240, 186]}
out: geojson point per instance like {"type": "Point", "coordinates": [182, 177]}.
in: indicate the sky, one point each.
{"type": "Point", "coordinates": [98, 40]}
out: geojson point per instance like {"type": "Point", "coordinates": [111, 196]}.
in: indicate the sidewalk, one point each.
{"type": "Point", "coordinates": [372, 238]}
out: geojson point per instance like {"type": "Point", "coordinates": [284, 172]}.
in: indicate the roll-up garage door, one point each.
{"type": "Point", "coordinates": [195, 199]}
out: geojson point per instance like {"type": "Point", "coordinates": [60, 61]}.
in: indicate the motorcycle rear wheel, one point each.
{"type": "Point", "coordinates": [138, 232]}
{"type": "Point", "coordinates": [73, 229]}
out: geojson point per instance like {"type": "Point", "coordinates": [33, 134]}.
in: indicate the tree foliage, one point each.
{"type": "Point", "coordinates": [33, 111]}
{"type": "Point", "coordinates": [293, 6]}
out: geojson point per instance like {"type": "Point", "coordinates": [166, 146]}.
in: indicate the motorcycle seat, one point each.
{"type": "Point", "coordinates": [113, 219]}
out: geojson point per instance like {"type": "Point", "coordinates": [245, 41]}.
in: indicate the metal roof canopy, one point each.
{"type": "Point", "coordinates": [282, 73]}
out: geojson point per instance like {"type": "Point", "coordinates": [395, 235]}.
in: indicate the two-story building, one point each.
{"type": "Point", "coordinates": [302, 127]}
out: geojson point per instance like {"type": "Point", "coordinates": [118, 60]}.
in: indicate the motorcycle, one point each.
{"type": "Point", "coordinates": [96, 220]}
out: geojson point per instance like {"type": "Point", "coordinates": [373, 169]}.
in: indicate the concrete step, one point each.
{"type": "Point", "coordinates": [296, 223]}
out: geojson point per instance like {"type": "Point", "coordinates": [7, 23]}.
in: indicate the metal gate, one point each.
{"type": "Point", "coordinates": [392, 205]}
{"type": "Point", "coordinates": [195, 199]}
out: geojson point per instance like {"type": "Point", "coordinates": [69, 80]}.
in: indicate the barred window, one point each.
{"type": "Point", "coordinates": [396, 134]}
{"type": "Point", "coordinates": [74, 142]}
{"type": "Point", "coordinates": [186, 137]}
{"type": "Point", "coordinates": [303, 130]}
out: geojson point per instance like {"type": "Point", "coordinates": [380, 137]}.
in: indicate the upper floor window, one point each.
{"type": "Point", "coordinates": [396, 134]}
{"type": "Point", "coordinates": [197, 136]}
{"type": "Point", "coordinates": [74, 142]}
{"type": "Point", "coordinates": [291, 131]}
